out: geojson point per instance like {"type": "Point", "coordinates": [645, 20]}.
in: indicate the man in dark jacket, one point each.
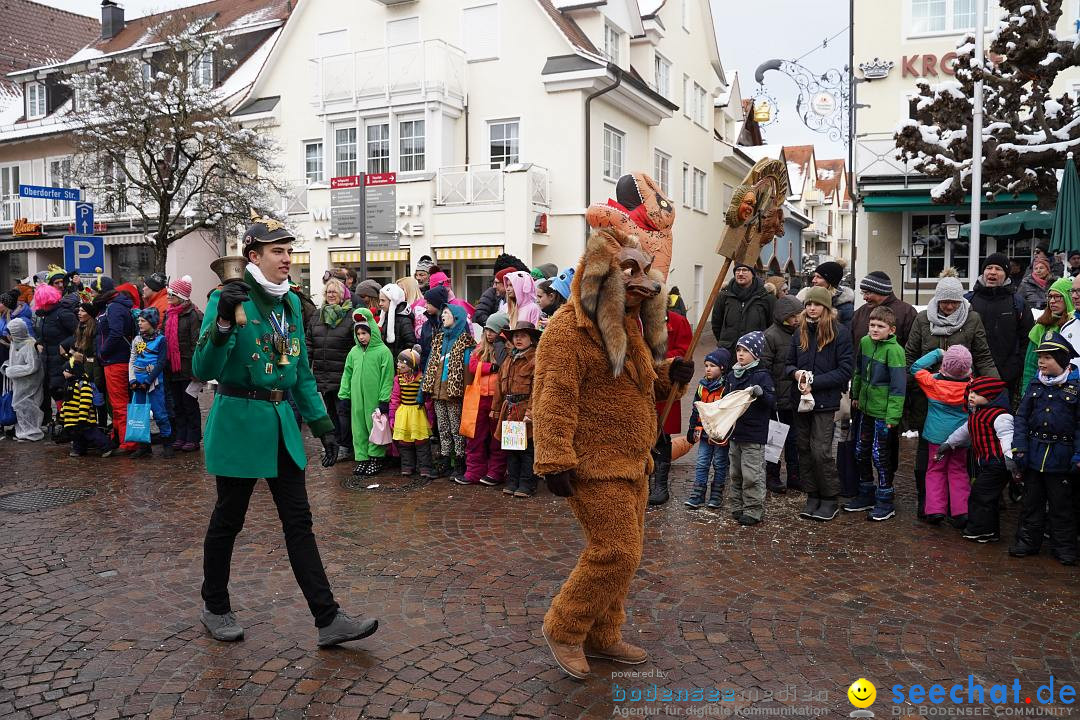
{"type": "Point", "coordinates": [877, 289]}
{"type": "Point", "coordinates": [1005, 316]}
{"type": "Point", "coordinates": [489, 301]}
{"type": "Point", "coordinates": [774, 357]}
{"type": "Point", "coordinates": [115, 330]}
{"type": "Point", "coordinates": [743, 306]}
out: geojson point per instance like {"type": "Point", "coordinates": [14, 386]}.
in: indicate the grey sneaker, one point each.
{"type": "Point", "coordinates": [344, 629]}
{"type": "Point", "coordinates": [222, 627]}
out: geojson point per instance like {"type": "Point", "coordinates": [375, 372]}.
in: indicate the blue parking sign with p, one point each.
{"type": "Point", "coordinates": [84, 253]}
{"type": "Point", "coordinates": [84, 218]}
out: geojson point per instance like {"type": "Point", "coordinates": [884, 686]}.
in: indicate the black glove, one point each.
{"type": "Point", "coordinates": [756, 391]}
{"type": "Point", "coordinates": [681, 371]}
{"type": "Point", "coordinates": [384, 408]}
{"type": "Point", "coordinates": [330, 449]}
{"type": "Point", "coordinates": [232, 295]}
{"type": "Point", "coordinates": [559, 483]}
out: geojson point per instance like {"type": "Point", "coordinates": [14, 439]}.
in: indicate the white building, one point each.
{"type": "Point", "coordinates": [36, 146]}
{"type": "Point", "coordinates": [898, 44]}
{"type": "Point", "coordinates": [503, 120]}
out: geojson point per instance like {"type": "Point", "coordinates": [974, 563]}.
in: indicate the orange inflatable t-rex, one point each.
{"type": "Point", "coordinates": [639, 209]}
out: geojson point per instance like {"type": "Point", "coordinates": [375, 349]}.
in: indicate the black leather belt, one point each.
{"type": "Point", "coordinates": [251, 394]}
{"type": "Point", "coordinates": [1050, 437]}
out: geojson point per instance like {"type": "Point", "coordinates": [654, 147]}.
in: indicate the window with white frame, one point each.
{"type": "Point", "coordinates": [686, 14]}
{"type": "Point", "coordinates": [9, 193]}
{"type": "Point", "coordinates": [147, 73]}
{"type": "Point", "coordinates": [378, 147]}
{"type": "Point", "coordinates": [662, 75]}
{"type": "Point", "coordinates": [313, 161]}
{"type": "Point", "coordinates": [504, 142]}
{"type": "Point", "coordinates": [411, 145]}
{"type": "Point", "coordinates": [662, 171]}
{"type": "Point", "coordinates": [612, 41]}
{"type": "Point", "coordinates": [35, 100]}
{"type": "Point", "coordinates": [614, 152]}
{"type": "Point", "coordinates": [686, 185]}
{"type": "Point", "coordinates": [344, 151]}
{"type": "Point", "coordinates": [687, 95]}
{"type": "Point", "coordinates": [701, 101]}
{"type": "Point", "coordinates": [699, 190]}
{"type": "Point", "coordinates": [114, 181]}
{"type": "Point", "coordinates": [932, 16]}
{"type": "Point", "coordinates": [203, 70]}
{"type": "Point", "coordinates": [480, 32]}
{"type": "Point", "coordinates": [59, 175]}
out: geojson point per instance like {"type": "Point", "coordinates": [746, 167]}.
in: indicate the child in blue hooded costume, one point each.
{"type": "Point", "coordinates": [444, 381]}
{"type": "Point", "coordinates": [148, 356]}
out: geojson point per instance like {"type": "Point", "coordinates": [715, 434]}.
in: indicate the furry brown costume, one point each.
{"type": "Point", "coordinates": [599, 370]}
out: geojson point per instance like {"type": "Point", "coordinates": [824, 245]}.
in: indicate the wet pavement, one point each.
{"type": "Point", "coordinates": [99, 603]}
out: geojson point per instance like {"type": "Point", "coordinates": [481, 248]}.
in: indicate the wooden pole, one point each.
{"type": "Point", "coordinates": [705, 313]}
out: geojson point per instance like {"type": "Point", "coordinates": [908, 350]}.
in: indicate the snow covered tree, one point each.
{"type": "Point", "coordinates": [1027, 133]}
{"type": "Point", "coordinates": [158, 138]}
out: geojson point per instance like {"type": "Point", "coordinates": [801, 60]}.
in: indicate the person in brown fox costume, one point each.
{"type": "Point", "coordinates": [599, 369]}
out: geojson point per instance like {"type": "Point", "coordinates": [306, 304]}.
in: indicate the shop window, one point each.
{"type": "Point", "coordinates": [940, 252]}
{"type": "Point", "coordinates": [15, 267]}
{"type": "Point", "coordinates": [478, 278]}
{"type": "Point", "coordinates": [132, 263]}
{"type": "Point", "coordinates": [301, 275]}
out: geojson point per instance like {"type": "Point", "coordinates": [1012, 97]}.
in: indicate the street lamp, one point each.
{"type": "Point", "coordinates": [952, 227]}
{"type": "Point", "coordinates": [902, 258]}
{"type": "Point", "coordinates": [918, 249]}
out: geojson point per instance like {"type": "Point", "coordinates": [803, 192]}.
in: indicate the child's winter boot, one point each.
{"type": "Point", "coordinates": [697, 497]}
{"type": "Point", "coordinates": [883, 505]}
{"type": "Point", "coordinates": [864, 501]}
{"type": "Point", "coordinates": [716, 496]}
{"type": "Point", "coordinates": [408, 459]}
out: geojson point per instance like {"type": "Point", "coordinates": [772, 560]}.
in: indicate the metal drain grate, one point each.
{"type": "Point", "coordinates": [390, 483]}
{"type": "Point", "coordinates": [44, 499]}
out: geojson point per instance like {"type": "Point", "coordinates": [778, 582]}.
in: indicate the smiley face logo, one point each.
{"type": "Point", "coordinates": [862, 693]}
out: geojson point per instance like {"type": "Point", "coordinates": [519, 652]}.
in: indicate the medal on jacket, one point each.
{"type": "Point", "coordinates": [280, 338]}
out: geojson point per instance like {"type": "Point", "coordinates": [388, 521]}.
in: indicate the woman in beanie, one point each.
{"type": "Point", "coordinates": [828, 275]}
{"type": "Point", "coordinates": [946, 321]}
{"type": "Point", "coordinates": [821, 363]}
{"type": "Point", "coordinates": [329, 341]}
{"type": "Point", "coordinates": [182, 323]}
{"type": "Point", "coordinates": [1058, 311]}
{"type": "Point", "coordinates": [1034, 286]}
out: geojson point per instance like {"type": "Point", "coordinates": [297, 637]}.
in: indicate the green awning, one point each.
{"type": "Point", "coordinates": [921, 202]}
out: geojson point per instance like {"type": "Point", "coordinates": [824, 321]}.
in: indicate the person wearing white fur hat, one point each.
{"type": "Point", "coordinates": [396, 319]}
{"type": "Point", "coordinates": [181, 326]}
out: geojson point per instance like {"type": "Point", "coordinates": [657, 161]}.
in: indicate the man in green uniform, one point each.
{"type": "Point", "coordinates": [251, 431]}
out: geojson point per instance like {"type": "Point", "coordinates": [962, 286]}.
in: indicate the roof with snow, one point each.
{"type": "Point", "coordinates": [798, 161]}
{"type": "Point", "coordinates": [228, 16]}
{"type": "Point", "coordinates": [33, 34]}
{"type": "Point", "coordinates": [829, 175]}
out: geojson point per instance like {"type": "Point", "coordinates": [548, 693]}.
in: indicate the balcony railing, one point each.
{"type": "Point", "coordinates": [483, 184]}
{"type": "Point", "coordinates": [383, 73]}
{"type": "Point", "coordinates": [876, 155]}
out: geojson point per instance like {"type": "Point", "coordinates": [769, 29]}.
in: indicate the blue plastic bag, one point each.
{"type": "Point", "coordinates": [7, 414]}
{"type": "Point", "coordinates": [138, 420]}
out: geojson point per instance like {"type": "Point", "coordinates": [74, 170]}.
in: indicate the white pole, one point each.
{"type": "Point", "coordinates": [977, 145]}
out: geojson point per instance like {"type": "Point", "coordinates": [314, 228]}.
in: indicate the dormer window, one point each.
{"type": "Point", "coordinates": [612, 42]}
{"type": "Point", "coordinates": [35, 101]}
{"type": "Point", "coordinates": [203, 70]}
{"type": "Point", "coordinates": [147, 73]}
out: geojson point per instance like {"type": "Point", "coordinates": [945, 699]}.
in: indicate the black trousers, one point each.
{"type": "Point", "coordinates": [226, 522]}
{"type": "Point", "coordinates": [519, 469]}
{"type": "Point", "coordinates": [984, 514]}
{"type": "Point", "coordinates": [922, 462]}
{"type": "Point", "coordinates": [186, 415]}
{"type": "Point", "coordinates": [1055, 489]}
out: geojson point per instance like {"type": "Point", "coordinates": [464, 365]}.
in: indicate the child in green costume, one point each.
{"type": "Point", "coordinates": [365, 388]}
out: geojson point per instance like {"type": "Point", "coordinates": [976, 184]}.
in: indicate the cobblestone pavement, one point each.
{"type": "Point", "coordinates": [99, 602]}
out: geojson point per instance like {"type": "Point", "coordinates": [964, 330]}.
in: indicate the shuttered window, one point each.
{"type": "Point", "coordinates": [480, 32]}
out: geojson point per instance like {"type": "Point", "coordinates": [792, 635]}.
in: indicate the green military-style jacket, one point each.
{"type": "Point", "coordinates": [242, 435]}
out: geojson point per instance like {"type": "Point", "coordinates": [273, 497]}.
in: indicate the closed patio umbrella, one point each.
{"type": "Point", "coordinates": [1066, 234]}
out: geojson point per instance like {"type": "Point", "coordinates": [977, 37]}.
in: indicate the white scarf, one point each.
{"type": "Point", "coordinates": [274, 290]}
{"type": "Point", "coordinates": [1054, 379]}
